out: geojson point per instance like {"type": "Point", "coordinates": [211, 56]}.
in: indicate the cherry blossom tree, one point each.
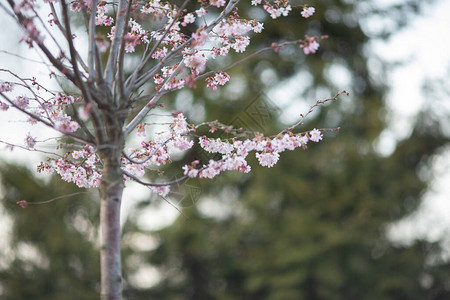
{"type": "Point", "coordinates": [151, 48]}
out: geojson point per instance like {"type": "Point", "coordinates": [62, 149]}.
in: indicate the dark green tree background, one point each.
{"type": "Point", "coordinates": [51, 252]}
{"type": "Point", "coordinates": [313, 227]}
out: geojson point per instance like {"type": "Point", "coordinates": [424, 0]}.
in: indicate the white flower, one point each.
{"type": "Point", "coordinates": [162, 190]}
{"type": "Point", "coordinates": [267, 159]}
{"type": "Point", "coordinates": [189, 18]}
{"type": "Point", "coordinates": [315, 135]}
{"type": "Point", "coordinates": [190, 171]}
{"type": "Point", "coordinates": [308, 12]}
{"type": "Point", "coordinates": [258, 27]}
{"type": "Point", "coordinates": [182, 143]}
{"type": "Point", "coordinates": [30, 141]}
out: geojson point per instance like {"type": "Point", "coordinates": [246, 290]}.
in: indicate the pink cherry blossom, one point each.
{"type": "Point", "coordinates": [182, 143]}
{"type": "Point", "coordinates": [162, 190]}
{"type": "Point", "coordinates": [188, 18]}
{"type": "Point", "coordinates": [4, 106]}
{"type": "Point", "coordinates": [195, 60]}
{"type": "Point", "coordinates": [240, 43]}
{"type": "Point", "coordinates": [217, 3]}
{"type": "Point", "coordinates": [258, 27]}
{"type": "Point", "coordinates": [256, 2]}
{"type": "Point", "coordinates": [308, 12]}
{"type": "Point", "coordinates": [201, 12]}
{"type": "Point", "coordinates": [22, 102]}
{"type": "Point", "coordinates": [180, 126]}
{"type": "Point", "coordinates": [30, 141]}
{"type": "Point", "coordinates": [5, 86]}
{"type": "Point", "coordinates": [267, 159]}
{"type": "Point", "coordinates": [310, 46]}
{"type": "Point", "coordinates": [211, 170]}
{"type": "Point", "coordinates": [190, 171]}
{"type": "Point", "coordinates": [160, 53]}
{"type": "Point", "coordinates": [102, 18]}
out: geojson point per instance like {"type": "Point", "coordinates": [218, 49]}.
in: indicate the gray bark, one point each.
{"type": "Point", "coordinates": [111, 189]}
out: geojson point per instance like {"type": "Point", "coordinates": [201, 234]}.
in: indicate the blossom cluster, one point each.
{"type": "Point", "coordinates": [310, 45]}
{"type": "Point", "coordinates": [5, 87]}
{"type": "Point", "coordinates": [308, 12]}
{"type": "Point", "coordinates": [135, 37]}
{"type": "Point", "coordinates": [234, 153]}
{"type": "Point", "coordinates": [102, 18]}
{"type": "Point", "coordinates": [220, 78]}
{"type": "Point", "coordinates": [157, 151]}
{"type": "Point", "coordinates": [52, 110]}
{"type": "Point", "coordinates": [182, 48]}
{"type": "Point", "coordinates": [206, 43]}
{"type": "Point", "coordinates": [79, 167]}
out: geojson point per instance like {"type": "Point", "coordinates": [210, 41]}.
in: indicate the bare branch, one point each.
{"type": "Point", "coordinates": [120, 74]}
{"type": "Point", "coordinates": [311, 109]}
{"type": "Point", "coordinates": [273, 47]}
{"type": "Point", "coordinates": [29, 149]}
{"type": "Point", "coordinates": [92, 43]}
{"type": "Point", "coordinates": [24, 203]}
{"type": "Point", "coordinates": [39, 119]}
{"type": "Point", "coordinates": [20, 18]}
{"type": "Point", "coordinates": [69, 38]}
{"type": "Point", "coordinates": [174, 206]}
{"type": "Point", "coordinates": [61, 28]}
{"type": "Point", "coordinates": [93, 52]}
{"type": "Point", "coordinates": [112, 59]}
{"type": "Point", "coordinates": [79, 80]}
{"type": "Point", "coordinates": [26, 58]}
{"type": "Point", "coordinates": [153, 183]}
{"type": "Point", "coordinates": [151, 104]}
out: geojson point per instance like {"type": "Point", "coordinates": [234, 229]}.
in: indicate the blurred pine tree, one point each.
{"type": "Point", "coordinates": [51, 251]}
{"type": "Point", "coordinates": [314, 226]}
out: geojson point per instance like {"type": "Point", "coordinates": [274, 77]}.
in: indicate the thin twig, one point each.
{"type": "Point", "coordinates": [20, 18]}
{"type": "Point", "coordinates": [174, 206]}
{"type": "Point", "coordinates": [61, 28]}
{"type": "Point", "coordinates": [274, 47]}
{"type": "Point", "coordinates": [29, 149]}
{"type": "Point", "coordinates": [311, 109]}
{"type": "Point", "coordinates": [39, 119]}
{"type": "Point", "coordinates": [24, 203]}
{"type": "Point", "coordinates": [152, 103]}
{"type": "Point", "coordinates": [153, 183]}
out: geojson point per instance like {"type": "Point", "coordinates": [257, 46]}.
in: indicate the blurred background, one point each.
{"type": "Point", "coordinates": [361, 215]}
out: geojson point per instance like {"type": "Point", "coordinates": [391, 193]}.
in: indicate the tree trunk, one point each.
{"type": "Point", "coordinates": [111, 189]}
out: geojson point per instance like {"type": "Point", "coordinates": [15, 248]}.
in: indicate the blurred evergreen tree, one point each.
{"type": "Point", "coordinates": [50, 252]}
{"type": "Point", "coordinates": [314, 226]}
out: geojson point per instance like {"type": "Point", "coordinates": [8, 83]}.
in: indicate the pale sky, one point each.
{"type": "Point", "coordinates": [424, 46]}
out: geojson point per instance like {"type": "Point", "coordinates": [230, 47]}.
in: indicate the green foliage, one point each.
{"type": "Point", "coordinates": [314, 226]}
{"type": "Point", "coordinates": [51, 252]}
